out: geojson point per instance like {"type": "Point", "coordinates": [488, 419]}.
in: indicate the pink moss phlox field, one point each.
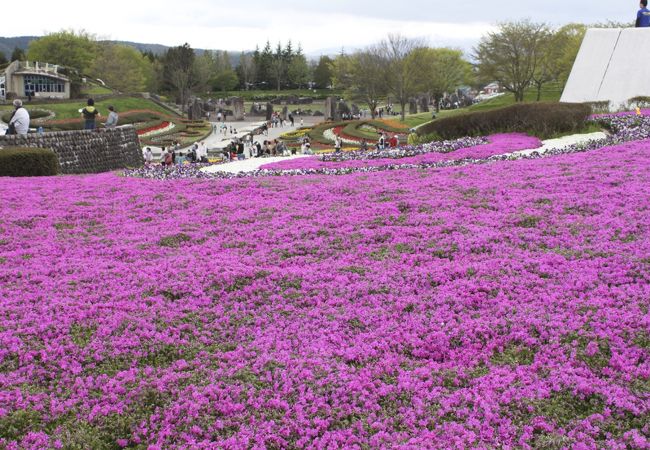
{"type": "Point", "coordinates": [498, 144]}
{"type": "Point", "coordinates": [500, 305]}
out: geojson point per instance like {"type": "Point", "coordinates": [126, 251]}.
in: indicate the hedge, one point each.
{"type": "Point", "coordinates": [28, 162]}
{"type": "Point", "coordinates": [538, 119]}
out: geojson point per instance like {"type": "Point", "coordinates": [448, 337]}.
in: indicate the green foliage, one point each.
{"type": "Point", "coordinates": [28, 162]}
{"type": "Point", "coordinates": [439, 70]}
{"type": "Point", "coordinates": [362, 76]}
{"type": "Point", "coordinates": [538, 119]}
{"type": "Point", "coordinates": [565, 407]}
{"type": "Point", "coordinates": [174, 241]}
{"type": "Point", "coordinates": [17, 55]}
{"type": "Point", "coordinates": [323, 72]}
{"type": "Point", "coordinates": [132, 72]}
{"type": "Point", "coordinates": [18, 423]}
{"type": "Point", "coordinates": [512, 55]}
{"type": "Point", "coordinates": [179, 71]}
{"type": "Point", "coordinates": [225, 80]}
{"type": "Point", "coordinates": [416, 139]}
{"type": "Point", "coordinates": [514, 355]}
{"type": "Point", "coordinates": [67, 48]}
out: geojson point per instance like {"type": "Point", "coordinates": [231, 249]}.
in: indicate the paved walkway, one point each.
{"type": "Point", "coordinates": [249, 165]}
{"type": "Point", "coordinates": [217, 141]}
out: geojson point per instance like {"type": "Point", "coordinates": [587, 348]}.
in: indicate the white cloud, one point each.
{"type": "Point", "coordinates": [317, 25]}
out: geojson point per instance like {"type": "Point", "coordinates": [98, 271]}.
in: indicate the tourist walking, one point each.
{"type": "Point", "coordinates": [89, 114]}
{"type": "Point", "coordinates": [148, 156]}
{"type": "Point", "coordinates": [19, 122]}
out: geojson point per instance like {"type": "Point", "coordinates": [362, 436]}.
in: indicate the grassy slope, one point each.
{"type": "Point", "coordinates": [549, 94]}
{"type": "Point", "coordinates": [70, 110]}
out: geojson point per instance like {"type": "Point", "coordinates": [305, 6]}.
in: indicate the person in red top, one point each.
{"type": "Point", "coordinates": [393, 141]}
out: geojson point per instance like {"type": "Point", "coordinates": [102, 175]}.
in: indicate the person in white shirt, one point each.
{"type": "Point", "coordinates": [148, 156]}
{"type": "Point", "coordinates": [20, 118]}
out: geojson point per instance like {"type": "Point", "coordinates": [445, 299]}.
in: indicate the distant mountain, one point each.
{"type": "Point", "coordinates": [8, 44]}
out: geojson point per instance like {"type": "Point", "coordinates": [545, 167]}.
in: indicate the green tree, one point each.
{"type": "Point", "coordinates": [298, 70]}
{"type": "Point", "coordinates": [402, 81]}
{"type": "Point", "coordinates": [131, 74]}
{"type": "Point", "coordinates": [179, 72]}
{"type": "Point", "coordinates": [3, 59]}
{"type": "Point", "coordinates": [363, 77]}
{"type": "Point", "coordinates": [512, 55]}
{"type": "Point", "coordinates": [568, 40]}
{"type": "Point", "coordinates": [323, 72]}
{"type": "Point", "coordinates": [17, 55]}
{"type": "Point", "coordinates": [438, 70]}
{"type": "Point", "coordinates": [65, 48]}
{"type": "Point", "coordinates": [279, 65]}
{"type": "Point", "coordinates": [263, 61]}
{"type": "Point", "coordinates": [226, 80]}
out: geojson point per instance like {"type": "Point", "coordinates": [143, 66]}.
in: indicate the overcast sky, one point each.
{"type": "Point", "coordinates": [319, 25]}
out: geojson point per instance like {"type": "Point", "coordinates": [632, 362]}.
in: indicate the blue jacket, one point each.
{"type": "Point", "coordinates": [643, 18]}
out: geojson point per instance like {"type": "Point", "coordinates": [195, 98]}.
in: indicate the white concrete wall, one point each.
{"type": "Point", "coordinates": [612, 65]}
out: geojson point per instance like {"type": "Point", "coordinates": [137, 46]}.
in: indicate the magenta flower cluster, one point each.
{"type": "Point", "coordinates": [501, 305]}
{"type": "Point", "coordinates": [419, 304]}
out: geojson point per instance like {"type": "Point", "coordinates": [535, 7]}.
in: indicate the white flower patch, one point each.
{"type": "Point", "coordinates": [330, 136]}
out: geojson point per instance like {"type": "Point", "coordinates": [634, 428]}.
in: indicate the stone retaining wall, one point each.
{"type": "Point", "coordinates": [86, 151]}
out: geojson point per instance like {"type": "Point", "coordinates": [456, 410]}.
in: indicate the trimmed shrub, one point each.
{"type": "Point", "coordinates": [28, 162]}
{"type": "Point", "coordinates": [538, 119]}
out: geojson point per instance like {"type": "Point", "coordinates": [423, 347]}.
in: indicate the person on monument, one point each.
{"type": "Point", "coordinates": [19, 122]}
{"type": "Point", "coordinates": [643, 16]}
{"type": "Point", "coordinates": [89, 114]}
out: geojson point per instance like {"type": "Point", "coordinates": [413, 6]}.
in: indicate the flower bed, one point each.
{"type": "Point", "coordinates": [487, 306]}
{"type": "Point", "coordinates": [155, 129]}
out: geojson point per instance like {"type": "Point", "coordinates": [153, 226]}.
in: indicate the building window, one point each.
{"type": "Point", "coordinates": [40, 83]}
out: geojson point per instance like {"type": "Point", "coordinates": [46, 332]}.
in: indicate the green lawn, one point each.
{"type": "Point", "coordinates": [70, 110]}
{"type": "Point", "coordinates": [95, 89]}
